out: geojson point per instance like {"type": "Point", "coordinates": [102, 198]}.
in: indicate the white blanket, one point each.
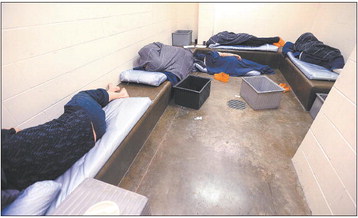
{"type": "Point", "coordinates": [121, 116]}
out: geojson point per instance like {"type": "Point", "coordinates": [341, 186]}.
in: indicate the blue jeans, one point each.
{"type": "Point", "coordinates": [92, 102]}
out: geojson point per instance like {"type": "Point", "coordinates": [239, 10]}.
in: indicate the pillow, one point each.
{"type": "Point", "coordinates": [34, 200]}
{"type": "Point", "coordinates": [143, 77]}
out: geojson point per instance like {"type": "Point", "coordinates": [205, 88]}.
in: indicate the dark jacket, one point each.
{"type": "Point", "coordinates": [46, 151]}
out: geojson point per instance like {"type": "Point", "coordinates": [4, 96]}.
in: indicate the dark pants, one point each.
{"type": "Point", "coordinates": [92, 102]}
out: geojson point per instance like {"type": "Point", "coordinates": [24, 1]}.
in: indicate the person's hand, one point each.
{"type": "Point", "coordinates": [230, 54]}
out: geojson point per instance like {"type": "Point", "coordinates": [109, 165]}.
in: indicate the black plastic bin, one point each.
{"type": "Point", "coordinates": [192, 91]}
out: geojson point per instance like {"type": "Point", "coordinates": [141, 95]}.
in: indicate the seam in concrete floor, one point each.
{"type": "Point", "coordinates": [156, 151]}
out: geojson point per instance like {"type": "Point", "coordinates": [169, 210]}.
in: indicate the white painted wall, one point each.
{"type": "Point", "coordinates": [187, 17]}
{"type": "Point", "coordinates": [260, 19]}
{"type": "Point", "coordinates": [50, 51]}
{"type": "Point", "coordinates": [332, 23]}
{"type": "Point", "coordinates": [335, 24]}
{"type": "Point", "coordinates": [326, 160]}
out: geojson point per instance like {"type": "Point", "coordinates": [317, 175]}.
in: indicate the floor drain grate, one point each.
{"type": "Point", "coordinates": [236, 104]}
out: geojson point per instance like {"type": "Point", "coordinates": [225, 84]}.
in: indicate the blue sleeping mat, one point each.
{"type": "Point", "coordinates": [313, 71]}
{"type": "Point", "coordinates": [266, 47]}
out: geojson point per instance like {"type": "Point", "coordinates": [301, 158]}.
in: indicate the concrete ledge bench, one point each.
{"type": "Point", "coordinates": [118, 164]}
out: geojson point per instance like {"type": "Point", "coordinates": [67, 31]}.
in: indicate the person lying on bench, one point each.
{"type": "Point", "coordinates": [214, 62]}
{"type": "Point", "coordinates": [46, 151]}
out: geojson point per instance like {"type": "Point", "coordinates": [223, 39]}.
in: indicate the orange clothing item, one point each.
{"type": "Point", "coordinates": [223, 77]}
{"type": "Point", "coordinates": [280, 43]}
{"type": "Point", "coordinates": [285, 86]}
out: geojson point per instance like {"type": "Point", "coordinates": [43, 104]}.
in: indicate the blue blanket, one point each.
{"type": "Point", "coordinates": [233, 66]}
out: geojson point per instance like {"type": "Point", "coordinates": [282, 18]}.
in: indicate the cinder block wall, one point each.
{"type": "Point", "coordinates": [326, 160]}
{"type": "Point", "coordinates": [50, 51]}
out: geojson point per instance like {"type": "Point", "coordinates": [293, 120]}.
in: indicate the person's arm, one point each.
{"type": "Point", "coordinates": [222, 54]}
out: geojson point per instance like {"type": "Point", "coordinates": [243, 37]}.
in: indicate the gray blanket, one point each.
{"type": "Point", "coordinates": [158, 57]}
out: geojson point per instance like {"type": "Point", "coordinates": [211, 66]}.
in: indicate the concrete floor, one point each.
{"type": "Point", "coordinates": [232, 162]}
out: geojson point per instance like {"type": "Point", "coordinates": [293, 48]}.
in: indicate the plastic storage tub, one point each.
{"type": "Point", "coordinates": [260, 92]}
{"type": "Point", "coordinates": [181, 37]}
{"type": "Point", "coordinates": [317, 104]}
{"type": "Point", "coordinates": [192, 91]}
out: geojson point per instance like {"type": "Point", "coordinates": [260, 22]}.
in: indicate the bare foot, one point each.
{"type": "Point", "coordinates": [115, 95]}
{"type": "Point", "coordinates": [113, 88]}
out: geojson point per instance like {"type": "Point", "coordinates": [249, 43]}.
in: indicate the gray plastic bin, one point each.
{"type": "Point", "coordinates": [181, 37]}
{"type": "Point", "coordinates": [260, 92]}
{"type": "Point", "coordinates": [317, 104]}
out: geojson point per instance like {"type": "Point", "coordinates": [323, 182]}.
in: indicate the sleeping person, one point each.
{"type": "Point", "coordinates": [46, 151]}
{"type": "Point", "coordinates": [213, 62]}
{"type": "Point", "coordinates": [175, 62]}
{"type": "Point", "coordinates": [231, 38]}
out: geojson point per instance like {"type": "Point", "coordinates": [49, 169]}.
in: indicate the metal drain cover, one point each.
{"type": "Point", "coordinates": [236, 104]}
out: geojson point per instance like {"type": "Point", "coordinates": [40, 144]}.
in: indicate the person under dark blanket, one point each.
{"type": "Point", "coordinates": [216, 62]}
{"type": "Point", "coordinates": [231, 38]}
{"type": "Point", "coordinates": [46, 151]}
{"type": "Point", "coordinates": [309, 49]}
